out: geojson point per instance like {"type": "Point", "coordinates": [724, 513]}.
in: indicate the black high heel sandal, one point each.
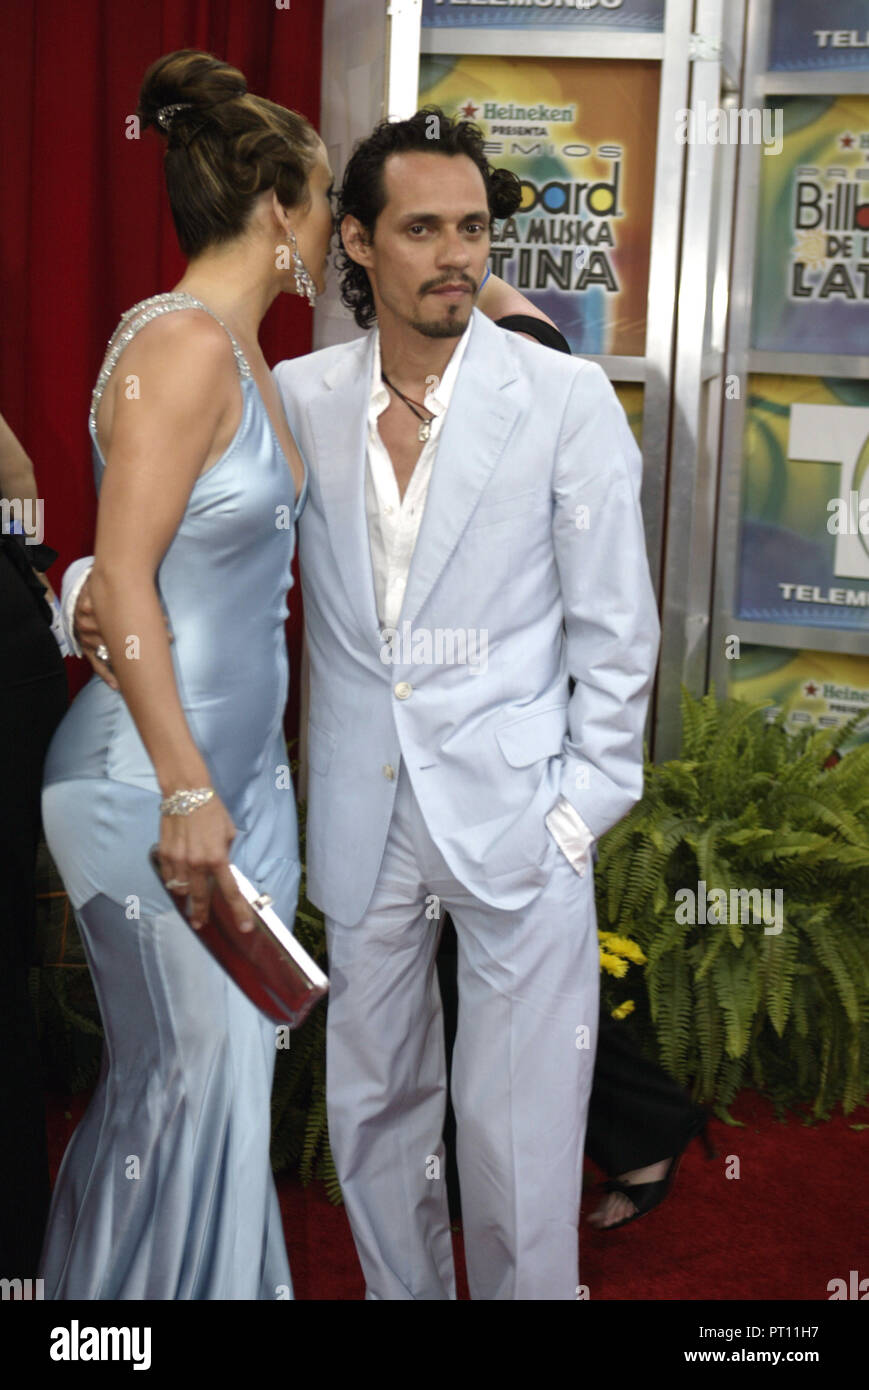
{"type": "Point", "coordinates": [645, 1196]}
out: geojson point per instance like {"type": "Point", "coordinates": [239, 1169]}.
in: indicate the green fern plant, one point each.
{"type": "Point", "coordinates": [748, 805]}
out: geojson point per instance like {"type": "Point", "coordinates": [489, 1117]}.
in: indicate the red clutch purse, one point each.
{"type": "Point", "coordinates": [272, 968]}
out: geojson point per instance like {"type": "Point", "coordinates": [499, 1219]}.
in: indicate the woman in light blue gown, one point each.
{"type": "Point", "coordinates": [165, 1191]}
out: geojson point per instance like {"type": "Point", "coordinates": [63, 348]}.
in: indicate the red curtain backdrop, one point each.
{"type": "Point", "coordinates": [85, 228]}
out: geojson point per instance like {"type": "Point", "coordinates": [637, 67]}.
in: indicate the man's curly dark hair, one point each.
{"type": "Point", "coordinates": [363, 196]}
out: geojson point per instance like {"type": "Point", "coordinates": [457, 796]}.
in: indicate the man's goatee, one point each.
{"type": "Point", "coordinates": [449, 329]}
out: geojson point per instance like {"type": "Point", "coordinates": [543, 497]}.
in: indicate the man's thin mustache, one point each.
{"type": "Point", "coordinates": [463, 279]}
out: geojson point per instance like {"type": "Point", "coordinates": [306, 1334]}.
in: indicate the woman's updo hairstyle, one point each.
{"type": "Point", "coordinates": [224, 146]}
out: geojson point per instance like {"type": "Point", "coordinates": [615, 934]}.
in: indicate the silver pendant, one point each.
{"type": "Point", "coordinates": [424, 431]}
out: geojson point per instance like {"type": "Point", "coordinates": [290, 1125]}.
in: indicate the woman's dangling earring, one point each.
{"type": "Point", "coordinates": [304, 283]}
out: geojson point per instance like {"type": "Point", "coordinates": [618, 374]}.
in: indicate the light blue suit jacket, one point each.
{"type": "Point", "coordinates": [531, 549]}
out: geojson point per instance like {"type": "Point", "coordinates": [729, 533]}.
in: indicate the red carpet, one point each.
{"type": "Point", "coordinates": [795, 1218]}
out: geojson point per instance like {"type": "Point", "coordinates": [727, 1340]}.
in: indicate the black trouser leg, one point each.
{"type": "Point", "coordinates": [24, 1183]}
{"type": "Point", "coordinates": [447, 965]}
{"type": "Point", "coordinates": [29, 714]}
{"type": "Point", "coordinates": [637, 1114]}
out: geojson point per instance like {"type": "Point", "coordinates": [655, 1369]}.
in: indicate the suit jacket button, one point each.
{"type": "Point", "coordinates": [389, 772]}
{"type": "Point", "coordinates": [403, 690]}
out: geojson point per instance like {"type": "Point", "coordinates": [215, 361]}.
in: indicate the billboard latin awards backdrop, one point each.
{"type": "Point", "coordinates": [811, 291]}
{"type": "Point", "coordinates": [631, 15]}
{"type": "Point", "coordinates": [808, 36]}
{"type": "Point", "coordinates": [804, 556]}
{"type": "Point", "coordinates": [581, 137]}
{"type": "Point", "coordinates": [824, 689]}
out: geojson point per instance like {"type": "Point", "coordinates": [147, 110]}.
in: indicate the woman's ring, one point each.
{"type": "Point", "coordinates": [103, 652]}
{"type": "Point", "coordinates": [176, 883]}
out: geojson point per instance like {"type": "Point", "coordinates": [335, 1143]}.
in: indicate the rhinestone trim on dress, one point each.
{"type": "Point", "coordinates": [135, 319]}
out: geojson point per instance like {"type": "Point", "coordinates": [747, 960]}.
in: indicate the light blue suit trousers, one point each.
{"type": "Point", "coordinates": [521, 1075]}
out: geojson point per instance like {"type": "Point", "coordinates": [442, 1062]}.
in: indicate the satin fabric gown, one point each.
{"type": "Point", "coordinates": [165, 1191]}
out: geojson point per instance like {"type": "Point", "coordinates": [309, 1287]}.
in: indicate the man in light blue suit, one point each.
{"type": "Point", "coordinates": [482, 634]}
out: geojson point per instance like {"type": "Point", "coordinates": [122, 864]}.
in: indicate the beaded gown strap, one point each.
{"type": "Point", "coordinates": [135, 319]}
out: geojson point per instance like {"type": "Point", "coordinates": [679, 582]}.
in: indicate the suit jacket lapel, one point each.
{"type": "Point", "coordinates": [479, 421]}
{"type": "Point", "coordinates": [339, 422]}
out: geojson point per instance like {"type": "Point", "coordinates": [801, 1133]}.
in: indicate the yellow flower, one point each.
{"type": "Point", "coordinates": [622, 946]}
{"type": "Point", "coordinates": [624, 1009]}
{"type": "Point", "coordinates": [614, 964]}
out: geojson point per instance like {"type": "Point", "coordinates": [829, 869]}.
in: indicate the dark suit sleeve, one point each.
{"type": "Point", "coordinates": [537, 328]}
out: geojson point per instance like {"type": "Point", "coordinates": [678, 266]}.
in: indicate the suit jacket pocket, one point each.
{"type": "Point", "coordinates": [531, 737]}
{"type": "Point", "coordinates": [321, 746]}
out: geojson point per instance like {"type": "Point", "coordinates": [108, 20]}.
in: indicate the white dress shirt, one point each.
{"type": "Point", "coordinates": [393, 521]}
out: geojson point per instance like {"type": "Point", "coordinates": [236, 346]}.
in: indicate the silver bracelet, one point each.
{"type": "Point", "coordinates": [183, 803]}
